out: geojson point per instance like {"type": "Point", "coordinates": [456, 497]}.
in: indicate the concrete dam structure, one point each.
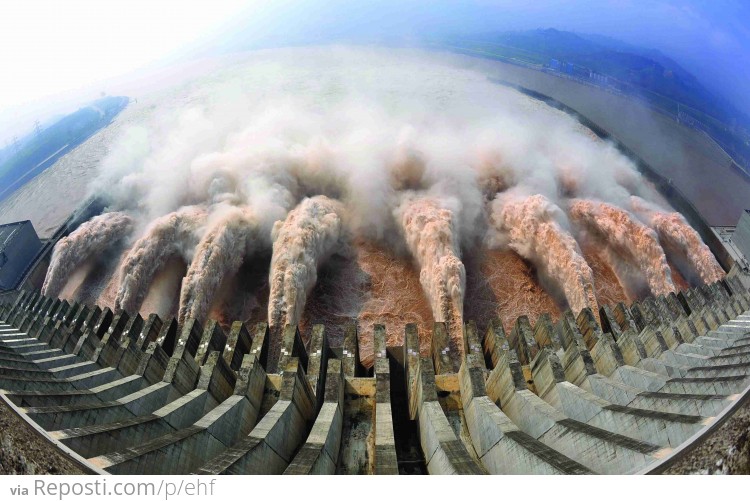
{"type": "Point", "coordinates": [627, 393]}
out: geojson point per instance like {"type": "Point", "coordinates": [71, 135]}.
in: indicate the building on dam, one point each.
{"type": "Point", "coordinates": [19, 245]}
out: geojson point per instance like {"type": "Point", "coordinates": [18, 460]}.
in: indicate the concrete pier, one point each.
{"type": "Point", "coordinates": [320, 452]}
{"type": "Point", "coordinates": [443, 451]}
{"type": "Point", "coordinates": [501, 446]}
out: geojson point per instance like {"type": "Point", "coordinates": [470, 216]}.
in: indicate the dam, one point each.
{"type": "Point", "coordinates": [511, 292]}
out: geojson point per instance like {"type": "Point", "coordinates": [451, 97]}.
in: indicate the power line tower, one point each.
{"type": "Point", "coordinates": [37, 128]}
{"type": "Point", "coordinates": [16, 144]}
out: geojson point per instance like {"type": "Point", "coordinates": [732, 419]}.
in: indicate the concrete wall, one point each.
{"type": "Point", "coordinates": [572, 397]}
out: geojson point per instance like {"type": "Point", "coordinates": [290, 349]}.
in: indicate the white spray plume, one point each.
{"type": "Point", "coordinates": [628, 237]}
{"type": "Point", "coordinates": [301, 243]}
{"type": "Point", "coordinates": [167, 236]}
{"type": "Point", "coordinates": [93, 237]}
{"type": "Point", "coordinates": [676, 232]}
{"type": "Point", "coordinates": [375, 129]}
{"type": "Point", "coordinates": [431, 234]}
{"type": "Point", "coordinates": [232, 236]}
{"type": "Point", "coordinates": [533, 227]}
{"type": "Point", "coordinates": [353, 124]}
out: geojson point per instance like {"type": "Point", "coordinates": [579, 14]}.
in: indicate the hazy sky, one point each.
{"type": "Point", "coordinates": [52, 46]}
{"type": "Point", "coordinates": [69, 47]}
{"type": "Point", "coordinates": [54, 50]}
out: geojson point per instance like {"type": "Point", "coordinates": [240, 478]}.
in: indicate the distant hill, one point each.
{"type": "Point", "coordinates": [36, 152]}
{"type": "Point", "coordinates": [658, 77]}
{"type": "Point", "coordinates": [639, 72]}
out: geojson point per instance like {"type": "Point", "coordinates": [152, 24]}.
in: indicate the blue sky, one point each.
{"type": "Point", "coordinates": [68, 50]}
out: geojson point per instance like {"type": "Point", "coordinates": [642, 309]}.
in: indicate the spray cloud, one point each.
{"type": "Point", "coordinates": [301, 243]}
{"type": "Point", "coordinates": [628, 237]}
{"type": "Point", "coordinates": [408, 146]}
{"type": "Point", "coordinates": [675, 231]}
{"type": "Point", "coordinates": [173, 234]}
{"type": "Point", "coordinates": [93, 237]}
{"type": "Point", "coordinates": [533, 230]}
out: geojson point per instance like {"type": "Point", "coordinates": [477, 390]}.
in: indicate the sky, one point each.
{"type": "Point", "coordinates": [62, 52]}
{"type": "Point", "coordinates": [55, 52]}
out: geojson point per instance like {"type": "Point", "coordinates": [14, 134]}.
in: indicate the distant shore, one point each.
{"type": "Point", "coordinates": [42, 151]}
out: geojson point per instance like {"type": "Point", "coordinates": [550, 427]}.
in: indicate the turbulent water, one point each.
{"type": "Point", "coordinates": [394, 298]}
{"type": "Point", "coordinates": [218, 256]}
{"type": "Point", "coordinates": [306, 238]}
{"type": "Point", "coordinates": [501, 284]}
{"type": "Point", "coordinates": [620, 231]}
{"type": "Point", "coordinates": [534, 232]}
{"type": "Point", "coordinates": [91, 239]}
{"type": "Point", "coordinates": [167, 236]}
{"type": "Point", "coordinates": [677, 233]}
{"type": "Point", "coordinates": [430, 233]}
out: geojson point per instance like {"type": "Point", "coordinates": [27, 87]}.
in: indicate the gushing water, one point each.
{"type": "Point", "coordinates": [167, 236]}
{"type": "Point", "coordinates": [431, 235]}
{"type": "Point", "coordinates": [412, 158]}
{"type": "Point", "coordinates": [532, 229]}
{"type": "Point", "coordinates": [627, 237]}
{"type": "Point", "coordinates": [93, 237]}
{"type": "Point", "coordinates": [676, 232]}
{"type": "Point", "coordinates": [230, 238]}
{"type": "Point", "coordinates": [301, 243]}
